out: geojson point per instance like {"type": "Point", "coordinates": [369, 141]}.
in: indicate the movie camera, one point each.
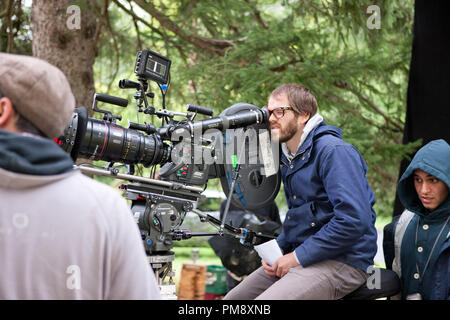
{"type": "Point", "coordinates": [189, 152]}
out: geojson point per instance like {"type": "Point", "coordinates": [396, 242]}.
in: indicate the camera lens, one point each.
{"type": "Point", "coordinates": [113, 143]}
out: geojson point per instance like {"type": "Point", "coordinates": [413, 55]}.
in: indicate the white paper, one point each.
{"type": "Point", "coordinates": [269, 251]}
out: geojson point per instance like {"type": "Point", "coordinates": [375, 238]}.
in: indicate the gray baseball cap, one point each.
{"type": "Point", "coordinates": [39, 91]}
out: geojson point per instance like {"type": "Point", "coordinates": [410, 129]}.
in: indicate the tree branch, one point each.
{"type": "Point", "coordinates": [116, 44]}
{"type": "Point", "coordinates": [103, 14]}
{"type": "Point", "coordinates": [7, 11]}
{"type": "Point", "coordinates": [284, 66]}
{"type": "Point", "coordinates": [385, 175]}
{"type": "Point", "coordinates": [356, 111]}
{"type": "Point", "coordinates": [136, 27]}
{"type": "Point", "coordinates": [137, 18]}
{"type": "Point", "coordinates": [258, 17]}
{"type": "Point", "coordinates": [214, 46]}
{"type": "Point", "coordinates": [373, 106]}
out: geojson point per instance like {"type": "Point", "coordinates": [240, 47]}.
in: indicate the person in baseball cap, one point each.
{"type": "Point", "coordinates": [66, 236]}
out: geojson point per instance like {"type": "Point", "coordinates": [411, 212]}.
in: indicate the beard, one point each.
{"type": "Point", "coordinates": [284, 134]}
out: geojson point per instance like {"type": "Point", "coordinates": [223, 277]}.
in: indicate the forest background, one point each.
{"type": "Point", "coordinates": [353, 55]}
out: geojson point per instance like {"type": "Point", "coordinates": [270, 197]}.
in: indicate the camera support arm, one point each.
{"type": "Point", "coordinates": [133, 178]}
{"type": "Point", "coordinates": [248, 237]}
{"type": "Point", "coordinates": [232, 186]}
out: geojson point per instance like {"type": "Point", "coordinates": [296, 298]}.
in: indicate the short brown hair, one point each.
{"type": "Point", "coordinates": [300, 98]}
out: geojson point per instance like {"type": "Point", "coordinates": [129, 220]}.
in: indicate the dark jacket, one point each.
{"type": "Point", "coordinates": [441, 274]}
{"type": "Point", "coordinates": [434, 159]}
{"type": "Point", "coordinates": [32, 155]}
{"type": "Point", "coordinates": [330, 202]}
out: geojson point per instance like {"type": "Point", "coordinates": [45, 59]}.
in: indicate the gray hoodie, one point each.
{"type": "Point", "coordinates": [64, 235]}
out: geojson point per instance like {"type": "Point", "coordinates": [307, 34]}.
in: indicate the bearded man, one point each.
{"type": "Point", "coordinates": [329, 237]}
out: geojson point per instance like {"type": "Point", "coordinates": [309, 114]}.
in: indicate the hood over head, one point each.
{"type": "Point", "coordinates": [434, 159]}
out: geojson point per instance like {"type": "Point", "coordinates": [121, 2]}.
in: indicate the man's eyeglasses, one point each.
{"type": "Point", "coordinates": [278, 112]}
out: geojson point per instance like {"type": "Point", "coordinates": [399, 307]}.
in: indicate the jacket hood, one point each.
{"type": "Point", "coordinates": [32, 155]}
{"type": "Point", "coordinates": [434, 159]}
{"type": "Point", "coordinates": [321, 129]}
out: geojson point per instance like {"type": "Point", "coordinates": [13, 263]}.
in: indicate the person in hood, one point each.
{"type": "Point", "coordinates": [422, 232]}
{"type": "Point", "coordinates": [62, 234]}
{"type": "Point", "coordinates": [328, 237]}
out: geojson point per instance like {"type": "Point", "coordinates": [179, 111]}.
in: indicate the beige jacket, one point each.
{"type": "Point", "coordinates": [69, 237]}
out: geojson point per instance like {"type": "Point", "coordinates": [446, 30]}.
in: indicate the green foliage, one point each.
{"type": "Point", "coordinates": [359, 75]}
{"type": "Point", "coordinates": [200, 242]}
{"type": "Point", "coordinates": [185, 252]}
{"type": "Point", "coordinates": [192, 223]}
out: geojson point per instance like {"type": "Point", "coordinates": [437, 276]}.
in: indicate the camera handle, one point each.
{"type": "Point", "coordinates": [108, 116]}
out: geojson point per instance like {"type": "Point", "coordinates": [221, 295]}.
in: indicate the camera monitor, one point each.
{"type": "Point", "coordinates": [153, 66]}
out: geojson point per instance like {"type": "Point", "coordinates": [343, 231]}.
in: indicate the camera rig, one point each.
{"type": "Point", "coordinates": [189, 153]}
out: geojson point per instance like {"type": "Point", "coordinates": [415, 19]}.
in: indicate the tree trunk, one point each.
{"type": "Point", "coordinates": [64, 35]}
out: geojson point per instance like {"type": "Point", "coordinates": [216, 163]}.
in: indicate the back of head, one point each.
{"type": "Point", "coordinates": [300, 98]}
{"type": "Point", "coordinates": [39, 92]}
{"type": "Point", "coordinates": [434, 159]}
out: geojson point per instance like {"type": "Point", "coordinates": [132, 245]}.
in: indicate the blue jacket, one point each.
{"type": "Point", "coordinates": [433, 158]}
{"type": "Point", "coordinates": [330, 202]}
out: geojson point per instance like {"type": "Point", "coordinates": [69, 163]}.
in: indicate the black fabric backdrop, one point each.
{"type": "Point", "coordinates": [428, 97]}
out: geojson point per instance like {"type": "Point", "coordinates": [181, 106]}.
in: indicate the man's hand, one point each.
{"type": "Point", "coordinates": [281, 266]}
{"type": "Point", "coordinates": [268, 269]}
